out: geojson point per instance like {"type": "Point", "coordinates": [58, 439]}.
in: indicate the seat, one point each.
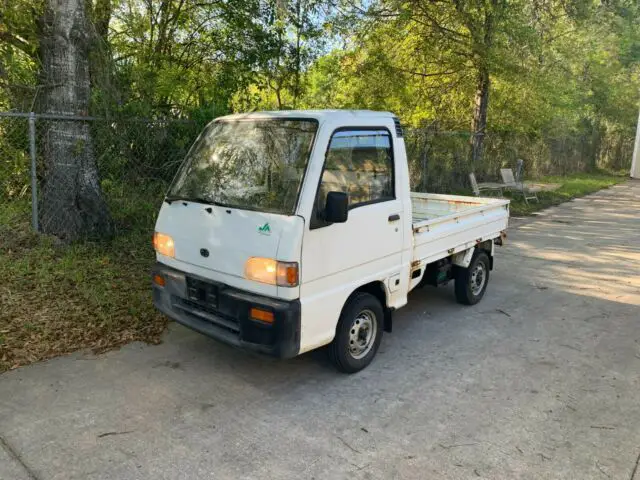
{"type": "Point", "coordinates": [528, 192]}
{"type": "Point", "coordinates": [478, 188]}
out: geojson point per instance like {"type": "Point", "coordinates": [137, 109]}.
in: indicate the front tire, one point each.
{"type": "Point", "coordinates": [471, 282]}
{"type": "Point", "coordinates": [358, 334]}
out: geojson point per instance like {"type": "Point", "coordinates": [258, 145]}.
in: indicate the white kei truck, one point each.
{"type": "Point", "coordinates": [287, 231]}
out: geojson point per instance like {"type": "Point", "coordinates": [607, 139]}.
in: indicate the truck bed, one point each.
{"type": "Point", "coordinates": [447, 224]}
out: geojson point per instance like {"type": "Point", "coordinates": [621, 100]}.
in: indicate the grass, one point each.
{"type": "Point", "coordinates": [56, 299]}
{"type": "Point", "coordinates": [573, 186]}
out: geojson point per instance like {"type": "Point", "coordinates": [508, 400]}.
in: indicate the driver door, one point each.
{"type": "Point", "coordinates": [338, 258]}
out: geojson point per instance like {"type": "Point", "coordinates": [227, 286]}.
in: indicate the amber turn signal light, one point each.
{"type": "Point", "coordinates": [272, 272]}
{"type": "Point", "coordinates": [287, 274]}
{"type": "Point", "coordinates": [261, 315]}
{"type": "Point", "coordinates": [159, 280]}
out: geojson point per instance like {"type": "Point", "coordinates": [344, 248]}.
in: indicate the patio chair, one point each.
{"type": "Point", "coordinates": [478, 188]}
{"type": "Point", "coordinates": [510, 183]}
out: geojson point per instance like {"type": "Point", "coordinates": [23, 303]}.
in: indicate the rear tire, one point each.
{"type": "Point", "coordinates": [358, 334]}
{"type": "Point", "coordinates": [471, 282]}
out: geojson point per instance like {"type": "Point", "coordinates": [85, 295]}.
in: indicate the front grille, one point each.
{"type": "Point", "coordinates": [202, 292]}
{"type": "Point", "coordinates": [208, 313]}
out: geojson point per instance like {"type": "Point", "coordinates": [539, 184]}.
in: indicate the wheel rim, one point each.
{"type": "Point", "coordinates": [478, 278]}
{"type": "Point", "coordinates": [362, 334]}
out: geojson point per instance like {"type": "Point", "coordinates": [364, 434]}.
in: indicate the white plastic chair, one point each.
{"type": "Point", "coordinates": [528, 192]}
{"type": "Point", "coordinates": [478, 188]}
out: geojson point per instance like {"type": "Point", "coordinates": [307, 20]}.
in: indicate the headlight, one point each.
{"type": "Point", "coordinates": [273, 272]}
{"type": "Point", "coordinates": [163, 244]}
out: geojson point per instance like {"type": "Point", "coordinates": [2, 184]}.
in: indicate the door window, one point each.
{"type": "Point", "coordinates": [360, 164]}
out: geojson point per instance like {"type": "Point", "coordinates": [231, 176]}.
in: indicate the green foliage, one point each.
{"type": "Point", "coordinates": [175, 57]}
{"type": "Point", "coordinates": [18, 51]}
{"type": "Point", "coordinates": [572, 186]}
{"type": "Point", "coordinates": [14, 159]}
{"type": "Point", "coordinates": [141, 152]}
{"type": "Point", "coordinates": [556, 68]}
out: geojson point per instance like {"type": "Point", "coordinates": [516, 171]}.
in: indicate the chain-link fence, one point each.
{"type": "Point", "coordinates": [57, 172]}
{"type": "Point", "coordinates": [439, 161]}
{"type": "Point", "coordinates": [60, 171]}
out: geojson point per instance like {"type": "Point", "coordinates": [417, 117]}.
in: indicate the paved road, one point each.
{"type": "Point", "coordinates": [540, 380]}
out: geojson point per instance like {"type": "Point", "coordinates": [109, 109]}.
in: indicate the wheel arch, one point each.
{"type": "Point", "coordinates": [375, 288]}
{"type": "Point", "coordinates": [379, 291]}
{"type": "Point", "coordinates": [487, 247]}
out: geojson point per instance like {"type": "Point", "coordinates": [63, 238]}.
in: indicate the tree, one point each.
{"type": "Point", "coordinates": [464, 34]}
{"type": "Point", "coordinates": [18, 53]}
{"type": "Point", "coordinates": [540, 69]}
{"type": "Point", "coordinates": [293, 39]}
{"type": "Point", "coordinates": [72, 202]}
{"type": "Point", "coordinates": [482, 20]}
{"type": "Point", "coordinates": [174, 57]}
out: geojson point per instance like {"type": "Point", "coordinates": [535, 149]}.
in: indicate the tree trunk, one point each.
{"type": "Point", "coordinates": [296, 87]}
{"type": "Point", "coordinates": [73, 206]}
{"type": "Point", "coordinates": [278, 92]}
{"type": "Point", "coordinates": [483, 42]}
{"type": "Point", "coordinates": [479, 123]}
{"type": "Point", "coordinates": [596, 145]}
{"type": "Point", "coordinates": [101, 18]}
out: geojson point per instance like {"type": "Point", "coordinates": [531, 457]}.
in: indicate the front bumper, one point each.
{"type": "Point", "coordinates": [222, 312]}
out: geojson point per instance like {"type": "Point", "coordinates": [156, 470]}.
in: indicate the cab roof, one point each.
{"type": "Point", "coordinates": [312, 114]}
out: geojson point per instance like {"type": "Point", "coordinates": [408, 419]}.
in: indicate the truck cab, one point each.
{"type": "Point", "coordinates": [287, 231]}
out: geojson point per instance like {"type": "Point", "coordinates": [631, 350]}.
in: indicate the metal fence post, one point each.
{"type": "Point", "coordinates": [34, 177]}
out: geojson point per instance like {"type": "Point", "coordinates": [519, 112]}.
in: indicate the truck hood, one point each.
{"type": "Point", "coordinates": [221, 239]}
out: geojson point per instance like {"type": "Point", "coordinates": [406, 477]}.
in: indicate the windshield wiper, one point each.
{"type": "Point", "coordinates": [174, 198]}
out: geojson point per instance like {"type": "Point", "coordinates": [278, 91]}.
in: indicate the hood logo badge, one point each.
{"type": "Point", "coordinates": [265, 229]}
{"type": "Point", "coordinates": [204, 252]}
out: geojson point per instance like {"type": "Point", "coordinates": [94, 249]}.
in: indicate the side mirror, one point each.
{"type": "Point", "coordinates": [336, 210]}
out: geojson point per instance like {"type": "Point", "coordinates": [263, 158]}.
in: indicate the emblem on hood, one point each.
{"type": "Point", "coordinates": [265, 229]}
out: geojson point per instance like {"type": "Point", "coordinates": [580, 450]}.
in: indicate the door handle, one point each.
{"type": "Point", "coordinates": [394, 218]}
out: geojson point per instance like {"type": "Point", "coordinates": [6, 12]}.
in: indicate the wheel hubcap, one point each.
{"type": "Point", "coordinates": [478, 278]}
{"type": "Point", "coordinates": [362, 334]}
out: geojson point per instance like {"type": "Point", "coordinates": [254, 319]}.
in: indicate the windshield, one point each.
{"type": "Point", "coordinates": [249, 164]}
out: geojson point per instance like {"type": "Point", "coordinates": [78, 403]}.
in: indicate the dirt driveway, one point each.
{"type": "Point", "coordinates": [540, 380]}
